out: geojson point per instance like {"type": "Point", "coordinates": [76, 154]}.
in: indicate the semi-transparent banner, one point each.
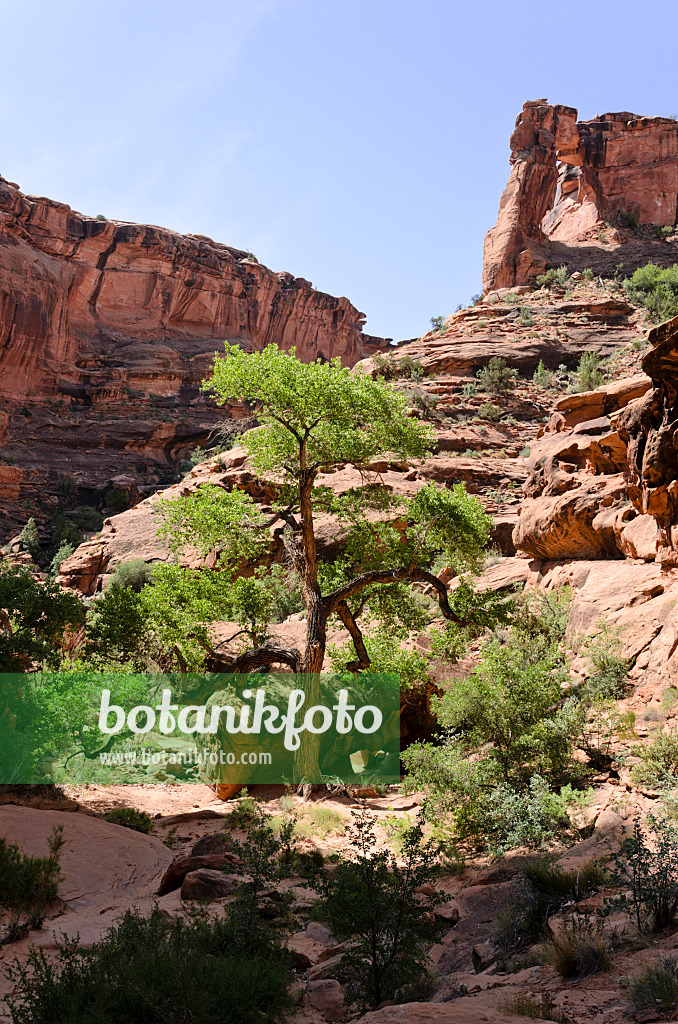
{"type": "Point", "coordinates": [115, 727]}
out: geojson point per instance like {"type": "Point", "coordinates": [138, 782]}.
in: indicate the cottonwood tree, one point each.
{"type": "Point", "coordinates": [316, 417]}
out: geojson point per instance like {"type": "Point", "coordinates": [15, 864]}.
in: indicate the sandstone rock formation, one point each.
{"type": "Point", "coordinates": [571, 182]}
{"type": "Point", "coordinates": [107, 329]}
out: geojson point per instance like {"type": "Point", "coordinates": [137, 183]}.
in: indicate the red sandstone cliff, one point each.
{"type": "Point", "coordinates": [107, 329]}
{"type": "Point", "coordinates": [570, 183]}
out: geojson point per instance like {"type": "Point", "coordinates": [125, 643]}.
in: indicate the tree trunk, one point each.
{"type": "Point", "coordinates": [306, 760]}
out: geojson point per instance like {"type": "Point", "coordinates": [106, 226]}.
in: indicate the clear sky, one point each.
{"type": "Point", "coordinates": [362, 144]}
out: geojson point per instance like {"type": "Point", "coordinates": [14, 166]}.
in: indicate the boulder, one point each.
{"type": "Point", "coordinates": [183, 865]}
{"type": "Point", "coordinates": [207, 884]}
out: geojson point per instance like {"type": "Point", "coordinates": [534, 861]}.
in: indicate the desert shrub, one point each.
{"type": "Point", "coordinates": [543, 1008]}
{"type": "Point", "coordinates": [541, 375]}
{"type": "Point", "coordinates": [64, 552]}
{"type": "Point", "coordinates": [30, 539]}
{"type": "Point", "coordinates": [396, 369]}
{"type": "Point", "coordinates": [133, 575]}
{"type": "Point", "coordinates": [469, 390]}
{"type": "Point", "coordinates": [194, 968]}
{"type": "Point", "coordinates": [130, 817]}
{"type": "Point", "coordinates": [659, 761]}
{"type": "Point", "coordinates": [589, 374]}
{"type": "Point", "coordinates": [656, 288]}
{"type": "Point", "coordinates": [497, 377]}
{"type": "Point", "coordinates": [525, 316]}
{"type": "Point", "coordinates": [438, 323]}
{"type": "Point", "coordinates": [116, 500]}
{"type": "Point", "coordinates": [648, 864]}
{"type": "Point", "coordinates": [587, 274]}
{"type": "Point", "coordinates": [578, 951]}
{"type": "Point", "coordinates": [554, 276]}
{"type": "Point", "coordinates": [541, 890]}
{"type": "Point", "coordinates": [29, 884]}
{"type": "Point", "coordinates": [373, 899]}
{"type": "Point", "coordinates": [489, 411]}
{"type": "Point", "coordinates": [655, 987]}
{"type": "Point", "coordinates": [245, 813]}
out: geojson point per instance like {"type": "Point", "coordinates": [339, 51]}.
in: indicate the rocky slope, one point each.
{"type": "Point", "coordinates": [107, 329]}
{"type": "Point", "coordinates": [584, 194]}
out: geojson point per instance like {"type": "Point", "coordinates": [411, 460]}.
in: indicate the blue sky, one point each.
{"type": "Point", "coordinates": [362, 144]}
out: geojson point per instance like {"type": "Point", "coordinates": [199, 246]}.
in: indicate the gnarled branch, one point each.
{"type": "Point", "coordinates": [346, 616]}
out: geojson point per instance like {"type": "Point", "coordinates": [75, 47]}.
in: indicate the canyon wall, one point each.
{"type": "Point", "coordinates": [584, 193]}
{"type": "Point", "coordinates": [106, 331]}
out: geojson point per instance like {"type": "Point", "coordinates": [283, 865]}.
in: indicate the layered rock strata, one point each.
{"type": "Point", "coordinates": [582, 192]}
{"type": "Point", "coordinates": [107, 329]}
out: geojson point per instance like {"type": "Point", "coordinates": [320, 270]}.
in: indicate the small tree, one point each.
{"type": "Point", "coordinates": [315, 417]}
{"type": "Point", "coordinates": [376, 900]}
{"type": "Point", "coordinates": [648, 862]}
{"type": "Point", "coordinates": [497, 377]}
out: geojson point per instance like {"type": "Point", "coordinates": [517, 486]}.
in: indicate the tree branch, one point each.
{"type": "Point", "coordinates": [411, 572]}
{"type": "Point", "coordinates": [346, 616]}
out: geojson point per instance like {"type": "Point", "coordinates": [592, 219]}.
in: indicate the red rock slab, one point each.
{"type": "Point", "coordinates": [100, 862]}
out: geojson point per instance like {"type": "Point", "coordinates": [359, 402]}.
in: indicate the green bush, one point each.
{"type": "Point", "coordinates": [659, 761]}
{"type": "Point", "coordinates": [589, 374]}
{"type": "Point", "coordinates": [438, 323]}
{"type": "Point", "coordinates": [133, 575]}
{"type": "Point", "coordinates": [497, 378]}
{"type": "Point", "coordinates": [375, 900]}
{"type": "Point", "coordinates": [648, 864]}
{"type": "Point", "coordinates": [158, 970]}
{"type": "Point", "coordinates": [130, 817]}
{"type": "Point", "coordinates": [587, 274]}
{"type": "Point", "coordinates": [29, 884]}
{"type": "Point", "coordinates": [525, 316]}
{"type": "Point", "coordinates": [554, 276]}
{"type": "Point", "coordinates": [489, 411]}
{"type": "Point", "coordinates": [608, 677]}
{"type": "Point", "coordinates": [541, 375]}
{"type": "Point", "coordinates": [656, 288]}
{"type": "Point", "coordinates": [64, 531]}
{"type": "Point", "coordinates": [655, 987]}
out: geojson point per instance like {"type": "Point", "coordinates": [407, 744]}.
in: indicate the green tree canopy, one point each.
{"type": "Point", "coordinates": [316, 417]}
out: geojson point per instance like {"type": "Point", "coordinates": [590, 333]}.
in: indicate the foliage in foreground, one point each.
{"type": "Point", "coordinates": [373, 900]}
{"type": "Point", "coordinates": [158, 970]}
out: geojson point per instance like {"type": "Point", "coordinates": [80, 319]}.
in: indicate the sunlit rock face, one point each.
{"type": "Point", "coordinates": [576, 191]}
